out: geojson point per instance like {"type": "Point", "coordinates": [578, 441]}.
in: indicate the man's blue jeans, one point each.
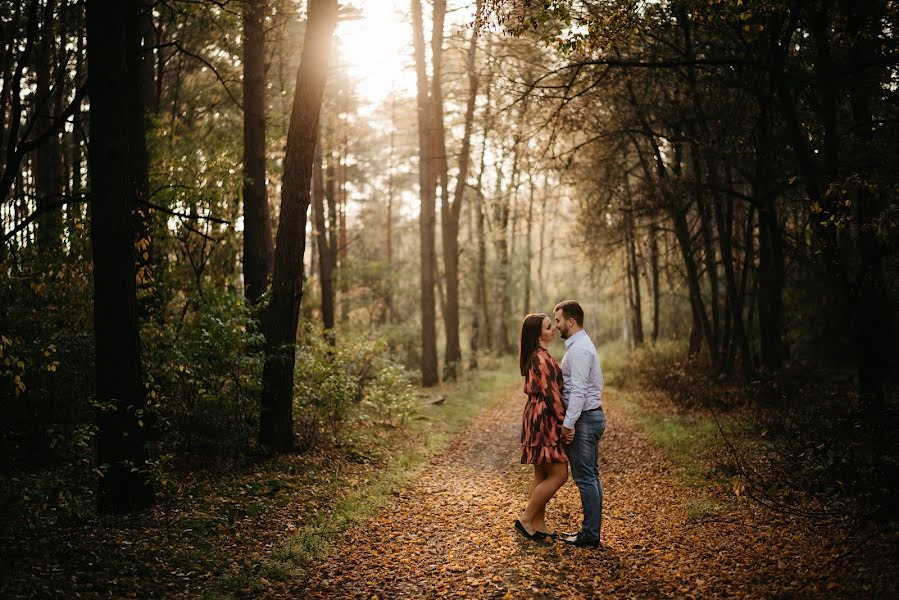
{"type": "Point", "coordinates": [583, 454]}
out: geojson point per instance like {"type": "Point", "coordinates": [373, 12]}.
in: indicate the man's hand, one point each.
{"type": "Point", "coordinates": [567, 434]}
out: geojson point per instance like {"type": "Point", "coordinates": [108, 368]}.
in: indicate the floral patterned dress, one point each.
{"type": "Point", "coordinates": [541, 424]}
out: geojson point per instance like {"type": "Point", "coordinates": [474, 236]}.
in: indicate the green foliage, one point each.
{"type": "Point", "coordinates": [356, 379]}
{"type": "Point", "coordinates": [46, 386]}
{"type": "Point", "coordinates": [203, 376]}
{"type": "Point", "coordinates": [390, 395]}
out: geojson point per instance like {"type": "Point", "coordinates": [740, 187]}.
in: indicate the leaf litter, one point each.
{"type": "Point", "coordinates": [449, 533]}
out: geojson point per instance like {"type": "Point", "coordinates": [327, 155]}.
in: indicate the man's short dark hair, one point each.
{"type": "Point", "coordinates": [571, 310]}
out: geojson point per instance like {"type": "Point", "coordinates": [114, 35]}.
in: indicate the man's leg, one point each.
{"type": "Point", "coordinates": [585, 470]}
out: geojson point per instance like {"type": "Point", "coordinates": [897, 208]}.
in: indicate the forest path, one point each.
{"type": "Point", "coordinates": [449, 532]}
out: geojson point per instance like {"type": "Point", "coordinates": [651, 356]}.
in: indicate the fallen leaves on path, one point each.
{"type": "Point", "coordinates": [449, 534]}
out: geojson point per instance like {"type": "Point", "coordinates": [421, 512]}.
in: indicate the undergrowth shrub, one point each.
{"type": "Point", "coordinates": [203, 376]}
{"type": "Point", "coordinates": [665, 366]}
{"type": "Point", "coordinates": [356, 379]}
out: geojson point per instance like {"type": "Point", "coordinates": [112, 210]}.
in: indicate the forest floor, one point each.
{"type": "Point", "coordinates": [666, 532]}
{"type": "Point", "coordinates": [426, 511]}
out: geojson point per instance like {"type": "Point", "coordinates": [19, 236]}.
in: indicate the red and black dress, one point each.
{"type": "Point", "coordinates": [541, 424]}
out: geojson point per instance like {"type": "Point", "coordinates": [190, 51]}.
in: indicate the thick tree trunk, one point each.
{"type": "Point", "coordinates": [875, 343]}
{"type": "Point", "coordinates": [276, 414]}
{"type": "Point", "coordinates": [120, 449]}
{"type": "Point", "coordinates": [451, 211]}
{"type": "Point", "coordinates": [258, 246]}
{"type": "Point", "coordinates": [427, 216]}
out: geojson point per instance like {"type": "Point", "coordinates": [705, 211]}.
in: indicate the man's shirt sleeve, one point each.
{"type": "Point", "coordinates": [579, 361]}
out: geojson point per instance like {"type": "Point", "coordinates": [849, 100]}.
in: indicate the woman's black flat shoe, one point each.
{"type": "Point", "coordinates": [520, 528]}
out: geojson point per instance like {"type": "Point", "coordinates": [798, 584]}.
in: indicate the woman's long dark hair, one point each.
{"type": "Point", "coordinates": [531, 328]}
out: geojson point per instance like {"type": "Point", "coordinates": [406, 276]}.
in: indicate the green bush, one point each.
{"type": "Point", "coordinates": [203, 378]}
{"type": "Point", "coordinates": [390, 395]}
{"type": "Point", "coordinates": [355, 379]}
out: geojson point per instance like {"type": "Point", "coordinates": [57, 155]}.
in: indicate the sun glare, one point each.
{"type": "Point", "coordinates": [375, 49]}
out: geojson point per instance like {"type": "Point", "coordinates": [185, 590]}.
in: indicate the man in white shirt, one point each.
{"type": "Point", "coordinates": [585, 421]}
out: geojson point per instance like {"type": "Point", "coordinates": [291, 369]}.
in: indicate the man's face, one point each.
{"type": "Point", "coordinates": [562, 324]}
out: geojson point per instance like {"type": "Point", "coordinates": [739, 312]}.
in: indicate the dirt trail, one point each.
{"type": "Point", "coordinates": [449, 533]}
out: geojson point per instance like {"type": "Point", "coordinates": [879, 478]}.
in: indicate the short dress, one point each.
{"type": "Point", "coordinates": [544, 413]}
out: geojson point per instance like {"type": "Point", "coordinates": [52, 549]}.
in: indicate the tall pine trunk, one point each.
{"type": "Point", "coordinates": [120, 448]}
{"type": "Point", "coordinates": [258, 247]}
{"type": "Point", "coordinates": [282, 318]}
{"type": "Point", "coordinates": [427, 216]}
{"type": "Point", "coordinates": [451, 211]}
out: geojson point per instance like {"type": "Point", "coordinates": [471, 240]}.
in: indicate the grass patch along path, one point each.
{"type": "Point", "coordinates": [449, 532]}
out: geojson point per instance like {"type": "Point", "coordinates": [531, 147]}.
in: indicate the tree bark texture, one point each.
{"type": "Point", "coordinates": [427, 216]}
{"type": "Point", "coordinates": [451, 210]}
{"type": "Point", "coordinates": [282, 318]}
{"type": "Point", "coordinates": [258, 247]}
{"type": "Point", "coordinates": [120, 448]}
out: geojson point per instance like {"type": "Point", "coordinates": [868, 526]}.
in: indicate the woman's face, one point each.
{"type": "Point", "coordinates": [547, 333]}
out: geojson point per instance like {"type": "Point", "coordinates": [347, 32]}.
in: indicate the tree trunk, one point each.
{"type": "Point", "coordinates": [276, 414]}
{"type": "Point", "coordinates": [258, 246]}
{"type": "Point", "coordinates": [451, 211]}
{"type": "Point", "coordinates": [48, 157]}
{"type": "Point", "coordinates": [501, 244]}
{"type": "Point", "coordinates": [120, 449]}
{"type": "Point", "coordinates": [654, 269]}
{"type": "Point", "coordinates": [480, 318]}
{"type": "Point", "coordinates": [390, 310]}
{"type": "Point", "coordinates": [343, 274]}
{"type": "Point", "coordinates": [427, 217]}
{"type": "Point", "coordinates": [636, 305]}
{"type": "Point", "coordinates": [528, 245]}
{"type": "Point", "coordinates": [771, 257]}
{"type": "Point", "coordinates": [323, 245]}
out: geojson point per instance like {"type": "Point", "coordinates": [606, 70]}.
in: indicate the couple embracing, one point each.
{"type": "Point", "coordinates": [563, 421]}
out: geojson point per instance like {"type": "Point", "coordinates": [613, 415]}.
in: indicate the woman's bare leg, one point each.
{"type": "Point", "coordinates": [540, 518]}
{"type": "Point", "coordinates": [540, 475]}
{"type": "Point", "coordinates": [556, 474]}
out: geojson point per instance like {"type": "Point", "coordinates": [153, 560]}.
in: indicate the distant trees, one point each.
{"type": "Point", "coordinates": [755, 141]}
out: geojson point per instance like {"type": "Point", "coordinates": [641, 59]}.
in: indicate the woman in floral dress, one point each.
{"type": "Point", "coordinates": [541, 428]}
